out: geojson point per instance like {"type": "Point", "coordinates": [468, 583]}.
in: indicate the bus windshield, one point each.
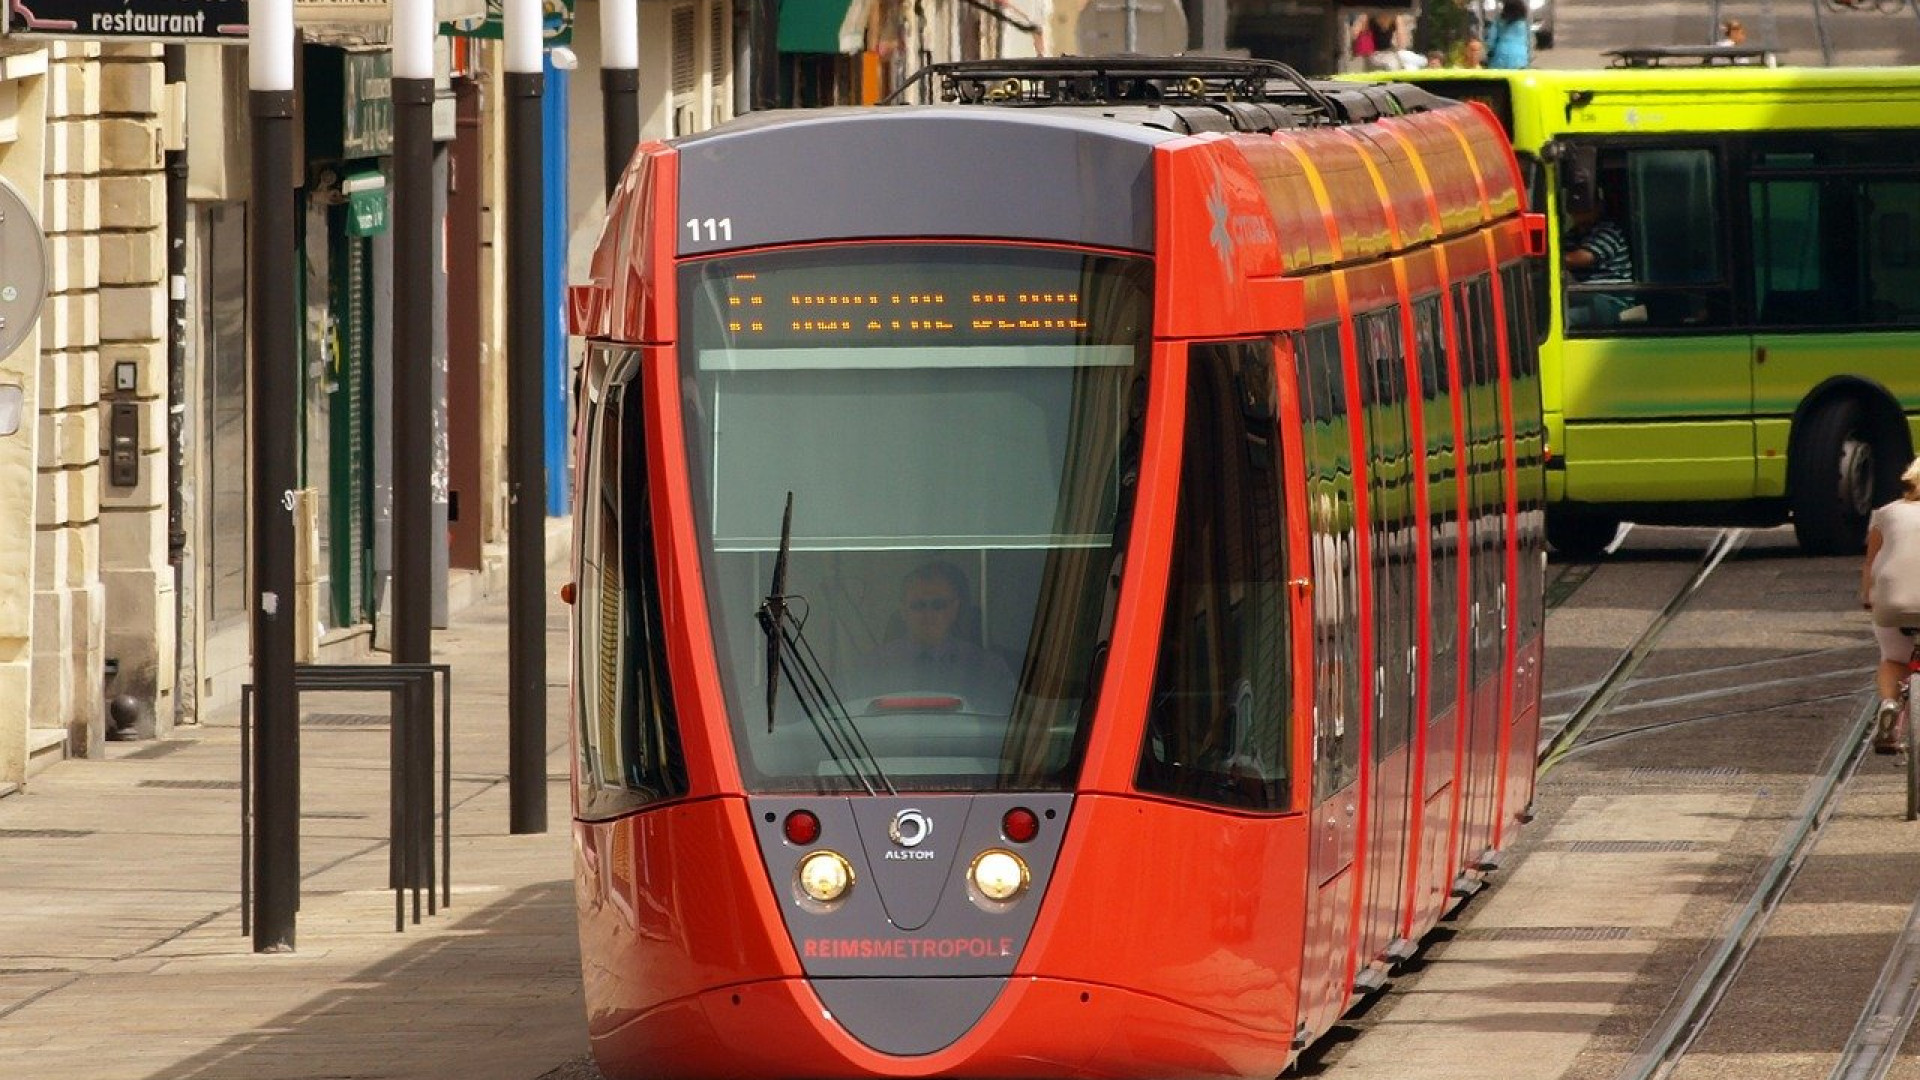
{"type": "Point", "coordinates": [953, 425]}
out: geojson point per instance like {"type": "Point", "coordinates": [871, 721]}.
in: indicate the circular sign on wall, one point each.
{"type": "Point", "coordinates": [23, 269]}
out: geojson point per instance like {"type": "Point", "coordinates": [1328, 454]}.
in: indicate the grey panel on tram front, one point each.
{"type": "Point", "coordinates": [934, 171]}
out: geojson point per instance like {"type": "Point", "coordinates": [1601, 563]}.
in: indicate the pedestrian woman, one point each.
{"type": "Point", "coordinates": [1377, 45]}
{"type": "Point", "coordinates": [1510, 41]}
{"type": "Point", "coordinates": [1890, 588]}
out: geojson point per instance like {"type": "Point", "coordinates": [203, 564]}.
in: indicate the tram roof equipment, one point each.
{"type": "Point", "coordinates": [1646, 56]}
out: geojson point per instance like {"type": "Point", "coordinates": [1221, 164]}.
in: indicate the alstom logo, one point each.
{"type": "Point", "coordinates": [910, 829]}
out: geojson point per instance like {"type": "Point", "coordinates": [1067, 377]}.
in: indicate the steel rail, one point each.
{"type": "Point", "coordinates": [1686, 1017]}
{"type": "Point", "coordinates": [1554, 747]}
{"type": "Point", "coordinates": [1874, 1045]}
{"type": "Point", "coordinates": [1575, 573]}
{"type": "Point", "coordinates": [1723, 669]}
{"type": "Point", "coordinates": [1741, 713]}
{"type": "Point", "coordinates": [1820, 30]}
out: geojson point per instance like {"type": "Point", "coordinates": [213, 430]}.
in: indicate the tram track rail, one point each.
{"type": "Point", "coordinates": [1874, 1044]}
{"type": "Point", "coordinates": [1872, 1048]}
{"type": "Point", "coordinates": [1714, 974]}
{"type": "Point", "coordinates": [1823, 8]}
{"type": "Point", "coordinates": [1556, 745]}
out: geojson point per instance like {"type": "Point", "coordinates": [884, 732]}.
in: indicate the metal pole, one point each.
{"type": "Point", "coordinates": [175, 67]}
{"type": "Point", "coordinates": [619, 84]}
{"type": "Point", "coordinates": [413, 314]}
{"type": "Point", "coordinates": [273, 329]}
{"type": "Point", "coordinates": [526, 475]}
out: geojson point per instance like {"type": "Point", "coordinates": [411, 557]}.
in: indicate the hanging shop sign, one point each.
{"type": "Point", "coordinates": [367, 111]}
{"type": "Point", "coordinates": [23, 271]}
{"type": "Point", "coordinates": [148, 20]}
{"type": "Point", "coordinates": [366, 203]}
{"type": "Point", "coordinates": [339, 13]}
{"type": "Point", "coordinates": [556, 23]}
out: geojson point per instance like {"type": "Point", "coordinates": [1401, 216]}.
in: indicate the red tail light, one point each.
{"type": "Point", "coordinates": [802, 828]}
{"type": "Point", "coordinates": [1020, 825]}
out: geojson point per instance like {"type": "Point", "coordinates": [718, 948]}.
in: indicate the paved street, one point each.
{"type": "Point", "coordinates": [1587, 29]}
{"type": "Point", "coordinates": [121, 952]}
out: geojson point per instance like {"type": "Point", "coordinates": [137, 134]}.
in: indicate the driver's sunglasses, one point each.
{"type": "Point", "coordinates": [931, 603]}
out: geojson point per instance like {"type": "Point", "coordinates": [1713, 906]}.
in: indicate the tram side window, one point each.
{"type": "Point", "coordinates": [1393, 552]}
{"type": "Point", "coordinates": [629, 737]}
{"type": "Point", "coordinates": [1645, 252]}
{"type": "Point", "coordinates": [1529, 437]}
{"type": "Point", "coordinates": [1833, 244]}
{"type": "Point", "coordinates": [1336, 582]}
{"type": "Point", "coordinates": [1443, 505]}
{"type": "Point", "coordinates": [1486, 469]}
{"type": "Point", "coordinates": [1217, 721]}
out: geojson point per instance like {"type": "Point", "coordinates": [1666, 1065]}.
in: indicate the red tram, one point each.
{"type": "Point", "coordinates": [1059, 572]}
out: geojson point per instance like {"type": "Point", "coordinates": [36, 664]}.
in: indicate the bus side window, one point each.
{"type": "Point", "coordinates": [1835, 250]}
{"type": "Point", "coordinates": [1667, 205]}
{"type": "Point", "coordinates": [1675, 208]}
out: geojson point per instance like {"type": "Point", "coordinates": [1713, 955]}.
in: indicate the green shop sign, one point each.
{"type": "Point", "coordinates": [366, 203]}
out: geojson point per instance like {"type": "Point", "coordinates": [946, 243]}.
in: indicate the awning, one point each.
{"type": "Point", "coordinates": [823, 26]}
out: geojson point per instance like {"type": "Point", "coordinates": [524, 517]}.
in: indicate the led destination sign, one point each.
{"type": "Point", "coordinates": [894, 313]}
{"type": "Point", "coordinates": [1021, 298]}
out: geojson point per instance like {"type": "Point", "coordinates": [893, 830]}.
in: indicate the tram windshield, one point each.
{"type": "Point", "coordinates": [955, 427]}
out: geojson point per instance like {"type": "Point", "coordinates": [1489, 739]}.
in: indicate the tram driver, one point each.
{"type": "Point", "coordinates": [933, 652]}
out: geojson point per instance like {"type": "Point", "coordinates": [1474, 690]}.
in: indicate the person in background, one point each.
{"type": "Point", "coordinates": [1732, 33]}
{"type": "Point", "coordinates": [1473, 54]}
{"type": "Point", "coordinates": [1890, 588]}
{"type": "Point", "coordinates": [1377, 45]}
{"type": "Point", "coordinates": [1510, 41]}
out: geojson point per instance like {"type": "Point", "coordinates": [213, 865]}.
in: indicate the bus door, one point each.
{"type": "Point", "coordinates": [1656, 381]}
{"type": "Point", "coordinates": [1331, 517]}
{"type": "Point", "coordinates": [1394, 626]}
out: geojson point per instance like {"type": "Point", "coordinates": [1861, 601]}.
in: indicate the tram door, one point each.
{"type": "Point", "coordinates": [1334, 810]}
{"type": "Point", "coordinates": [1486, 567]}
{"type": "Point", "coordinates": [1441, 664]}
{"type": "Point", "coordinates": [1394, 625]}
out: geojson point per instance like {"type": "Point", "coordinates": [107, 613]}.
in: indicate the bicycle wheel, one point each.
{"type": "Point", "coordinates": [1906, 737]}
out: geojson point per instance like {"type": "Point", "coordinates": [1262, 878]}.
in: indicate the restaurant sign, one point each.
{"type": "Point", "coordinates": [152, 20]}
{"type": "Point", "coordinates": [202, 20]}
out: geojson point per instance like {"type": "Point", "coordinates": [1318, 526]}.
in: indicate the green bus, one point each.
{"type": "Point", "coordinates": [1755, 358]}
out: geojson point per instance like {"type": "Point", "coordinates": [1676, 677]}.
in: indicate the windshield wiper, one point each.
{"type": "Point", "coordinates": [789, 655]}
{"type": "Point", "coordinates": [773, 611]}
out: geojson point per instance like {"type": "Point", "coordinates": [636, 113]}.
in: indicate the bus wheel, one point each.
{"type": "Point", "coordinates": [1581, 536]}
{"type": "Point", "coordinates": [1832, 481]}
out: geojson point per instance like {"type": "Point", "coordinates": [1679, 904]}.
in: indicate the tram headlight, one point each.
{"type": "Point", "coordinates": [825, 876]}
{"type": "Point", "coordinates": [999, 875]}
